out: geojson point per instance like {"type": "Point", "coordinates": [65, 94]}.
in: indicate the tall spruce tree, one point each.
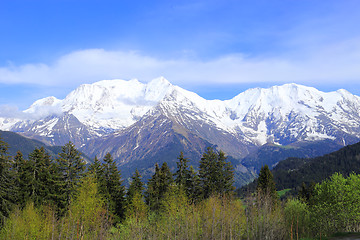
{"type": "Point", "coordinates": [95, 168]}
{"type": "Point", "coordinates": [136, 186]}
{"type": "Point", "coordinates": [7, 188]}
{"type": "Point", "coordinates": [158, 185]}
{"type": "Point", "coordinates": [226, 185]}
{"type": "Point", "coordinates": [71, 166]}
{"type": "Point", "coordinates": [40, 181]}
{"type": "Point", "coordinates": [216, 175]}
{"type": "Point", "coordinates": [193, 190]}
{"type": "Point", "coordinates": [265, 185]}
{"type": "Point", "coordinates": [111, 187]}
{"type": "Point", "coordinates": [182, 173]}
{"type": "Point", "coordinates": [18, 167]}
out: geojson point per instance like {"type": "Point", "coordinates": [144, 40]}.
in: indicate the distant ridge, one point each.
{"type": "Point", "coordinates": [292, 172]}
{"type": "Point", "coordinates": [140, 124]}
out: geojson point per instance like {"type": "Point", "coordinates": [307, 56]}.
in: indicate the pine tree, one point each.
{"type": "Point", "coordinates": [95, 168]}
{"type": "Point", "coordinates": [18, 166]}
{"type": "Point", "coordinates": [166, 178]}
{"type": "Point", "coordinates": [71, 166]}
{"type": "Point", "coordinates": [152, 194]}
{"type": "Point", "coordinates": [136, 186]}
{"type": "Point", "coordinates": [182, 174]}
{"type": "Point", "coordinates": [159, 183]}
{"type": "Point", "coordinates": [24, 178]}
{"type": "Point", "coordinates": [41, 177]}
{"type": "Point", "coordinates": [226, 185]}
{"type": "Point", "coordinates": [193, 190]}
{"type": "Point", "coordinates": [208, 172]}
{"type": "Point", "coordinates": [266, 185]}
{"type": "Point", "coordinates": [7, 190]}
{"type": "Point", "coordinates": [136, 208]}
{"type": "Point", "coordinates": [216, 175]}
{"type": "Point", "coordinates": [111, 187]}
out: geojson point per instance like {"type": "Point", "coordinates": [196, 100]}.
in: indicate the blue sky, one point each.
{"type": "Point", "coordinates": [217, 48]}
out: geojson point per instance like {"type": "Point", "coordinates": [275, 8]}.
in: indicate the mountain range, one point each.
{"type": "Point", "coordinates": [141, 124]}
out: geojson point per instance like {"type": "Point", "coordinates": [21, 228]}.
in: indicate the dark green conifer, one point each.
{"type": "Point", "coordinates": [182, 174]}
{"type": "Point", "coordinates": [95, 169]}
{"type": "Point", "coordinates": [136, 186]}
{"type": "Point", "coordinates": [266, 185]}
{"type": "Point", "coordinates": [71, 167]}
{"type": "Point", "coordinates": [7, 189]}
{"type": "Point", "coordinates": [193, 190]}
{"type": "Point", "coordinates": [111, 187]}
{"type": "Point", "coordinates": [158, 185]}
{"type": "Point", "coordinates": [216, 175]}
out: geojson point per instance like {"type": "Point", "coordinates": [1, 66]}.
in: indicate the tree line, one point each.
{"type": "Point", "coordinates": [62, 198]}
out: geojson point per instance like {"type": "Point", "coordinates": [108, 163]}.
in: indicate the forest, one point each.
{"type": "Point", "coordinates": [45, 197]}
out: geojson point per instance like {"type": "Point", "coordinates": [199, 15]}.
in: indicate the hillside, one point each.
{"type": "Point", "coordinates": [17, 142]}
{"type": "Point", "coordinates": [292, 172]}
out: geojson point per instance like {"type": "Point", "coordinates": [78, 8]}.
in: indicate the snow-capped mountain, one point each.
{"type": "Point", "coordinates": [134, 121]}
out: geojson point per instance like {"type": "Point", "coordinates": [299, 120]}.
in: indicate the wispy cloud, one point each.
{"type": "Point", "coordinates": [11, 111]}
{"type": "Point", "coordinates": [330, 63]}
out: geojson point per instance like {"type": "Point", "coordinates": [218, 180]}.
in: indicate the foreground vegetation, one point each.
{"type": "Point", "coordinates": [45, 198]}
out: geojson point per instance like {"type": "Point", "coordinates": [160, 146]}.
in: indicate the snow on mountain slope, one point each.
{"type": "Point", "coordinates": [108, 104]}
{"type": "Point", "coordinates": [280, 114]}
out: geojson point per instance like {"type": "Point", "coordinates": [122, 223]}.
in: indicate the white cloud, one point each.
{"type": "Point", "coordinates": [11, 111]}
{"type": "Point", "coordinates": [340, 61]}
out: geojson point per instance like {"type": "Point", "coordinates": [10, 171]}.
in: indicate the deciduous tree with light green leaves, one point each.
{"type": "Point", "coordinates": [336, 204]}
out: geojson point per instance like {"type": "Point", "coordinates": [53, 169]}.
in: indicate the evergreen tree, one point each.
{"type": "Point", "coordinates": [166, 178]}
{"type": "Point", "coordinates": [71, 166]}
{"type": "Point", "coordinates": [193, 190]}
{"type": "Point", "coordinates": [182, 174]}
{"type": "Point", "coordinates": [152, 194]}
{"type": "Point", "coordinates": [208, 172]}
{"type": "Point", "coordinates": [216, 175]}
{"type": "Point", "coordinates": [7, 190]}
{"type": "Point", "coordinates": [95, 168]}
{"type": "Point", "coordinates": [111, 187]}
{"type": "Point", "coordinates": [159, 183]}
{"type": "Point", "coordinates": [226, 175]}
{"type": "Point", "coordinates": [306, 193]}
{"type": "Point", "coordinates": [136, 208]}
{"type": "Point", "coordinates": [41, 182]}
{"type": "Point", "coordinates": [18, 166]}
{"type": "Point", "coordinates": [266, 185]}
{"type": "Point", "coordinates": [136, 186]}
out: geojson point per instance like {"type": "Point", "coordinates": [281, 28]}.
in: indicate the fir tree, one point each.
{"type": "Point", "coordinates": [111, 187]}
{"type": "Point", "coordinates": [166, 178]}
{"type": "Point", "coordinates": [18, 167]}
{"type": "Point", "coordinates": [216, 175]}
{"type": "Point", "coordinates": [71, 167]}
{"type": "Point", "coordinates": [158, 185]}
{"type": "Point", "coordinates": [7, 190]}
{"type": "Point", "coordinates": [152, 194]}
{"type": "Point", "coordinates": [193, 190]}
{"type": "Point", "coordinates": [182, 174]}
{"type": "Point", "coordinates": [226, 185]}
{"type": "Point", "coordinates": [266, 185]}
{"type": "Point", "coordinates": [136, 186]}
{"type": "Point", "coordinates": [136, 207]}
{"type": "Point", "coordinates": [41, 181]}
{"type": "Point", "coordinates": [95, 168]}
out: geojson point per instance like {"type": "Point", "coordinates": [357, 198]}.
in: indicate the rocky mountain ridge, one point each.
{"type": "Point", "coordinates": [136, 121]}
